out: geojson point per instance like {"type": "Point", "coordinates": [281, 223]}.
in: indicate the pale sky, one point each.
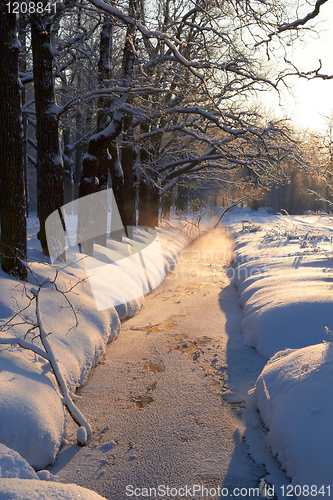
{"type": "Point", "coordinates": [312, 98]}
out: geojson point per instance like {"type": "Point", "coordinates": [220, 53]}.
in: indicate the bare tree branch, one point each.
{"type": "Point", "coordinates": [301, 22]}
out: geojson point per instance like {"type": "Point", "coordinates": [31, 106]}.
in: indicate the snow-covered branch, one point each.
{"type": "Point", "coordinates": [170, 41]}
{"type": "Point", "coordinates": [26, 345]}
{"type": "Point", "coordinates": [301, 22]}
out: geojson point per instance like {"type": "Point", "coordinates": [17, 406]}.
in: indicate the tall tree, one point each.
{"type": "Point", "coordinates": [50, 184]}
{"type": "Point", "coordinates": [13, 196]}
{"type": "Point", "coordinates": [128, 153]}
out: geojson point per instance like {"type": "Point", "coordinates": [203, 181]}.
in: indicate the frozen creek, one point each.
{"type": "Point", "coordinates": [156, 403]}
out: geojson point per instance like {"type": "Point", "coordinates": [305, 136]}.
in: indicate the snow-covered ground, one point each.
{"type": "Point", "coordinates": [156, 402]}
{"type": "Point", "coordinates": [283, 271]}
{"type": "Point", "coordinates": [32, 414]}
{"type": "Point", "coordinates": [19, 480]}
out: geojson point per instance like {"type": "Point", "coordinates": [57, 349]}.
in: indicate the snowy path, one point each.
{"type": "Point", "coordinates": [155, 403]}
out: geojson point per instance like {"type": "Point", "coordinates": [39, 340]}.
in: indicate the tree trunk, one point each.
{"type": "Point", "coordinates": [96, 162]}
{"type": "Point", "coordinates": [166, 205]}
{"type": "Point", "coordinates": [117, 178]}
{"type": "Point", "coordinates": [327, 199]}
{"type": "Point", "coordinates": [104, 104]}
{"type": "Point", "coordinates": [182, 198]}
{"type": "Point", "coordinates": [149, 204]}
{"type": "Point", "coordinates": [12, 196]}
{"type": "Point", "coordinates": [144, 183]}
{"type": "Point", "coordinates": [50, 185]}
{"type": "Point", "coordinates": [68, 182]}
{"type": "Point", "coordinates": [102, 173]}
{"type": "Point", "coordinates": [127, 151]}
{"type": "Point", "coordinates": [128, 167]}
{"type": "Point", "coordinates": [144, 219]}
{"type": "Point", "coordinates": [154, 205]}
{"type": "Point", "coordinates": [78, 154]}
{"type": "Point", "coordinates": [22, 34]}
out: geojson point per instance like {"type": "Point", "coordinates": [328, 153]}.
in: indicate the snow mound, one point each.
{"type": "Point", "coordinates": [288, 309]}
{"type": "Point", "coordinates": [32, 489]}
{"type": "Point", "coordinates": [283, 273]}
{"type": "Point", "coordinates": [31, 414]}
{"type": "Point", "coordinates": [294, 399]}
{"type": "Point", "coordinates": [12, 465]}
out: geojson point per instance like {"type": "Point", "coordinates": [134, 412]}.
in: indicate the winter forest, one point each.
{"type": "Point", "coordinates": [157, 99]}
{"type": "Point", "coordinates": [167, 102]}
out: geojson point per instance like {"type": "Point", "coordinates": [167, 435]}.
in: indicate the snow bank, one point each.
{"type": "Point", "coordinates": [283, 271]}
{"type": "Point", "coordinates": [19, 480]}
{"type": "Point", "coordinates": [31, 414]}
{"type": "Point", "coordinates": [294, 400]}
{"type": "Point", "coordinates": [288, 309]}
{"type": "Point", "coordinates": [32, 489]}
{"type": "Point", "coordinates": [12, 465]}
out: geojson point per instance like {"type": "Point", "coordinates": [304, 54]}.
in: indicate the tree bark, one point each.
{"type": "Point", "coordinates": [97, 161]}
{"type": "Point", "coordinates": [78, 154]}
{"type": "Point", "coordinates": [13, 195]}
{"type": "Point", "coordinates": [128, 166]}
{"type": "Point", "coordinates": [22, 35]}
{"type": "Point", "coordinates": [67, 161]}
{"type": "Point", "coordinates": [103, 115]}
{"type": "Point", "coordinates": [104, 103]}
{"type": "Point", "coordinates": [149, 203]}
{"type": "Point", "coordinates": [182, 198]}
{"type": "Point", "coordinates": [144, 203]}
{"type": "Point", "coordinates": [154, 205]}
{"type": "Point", "coordinates": [117, 178]}
{"type": "Point", "coordinates": [166, 205]}
{"type": "Point", "coordinates": [50, 184]}
{"type": "Point", "coordinates": [128, 155]}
